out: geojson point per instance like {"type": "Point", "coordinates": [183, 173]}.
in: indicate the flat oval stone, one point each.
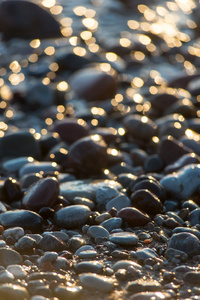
{"type": "Point", "coordinates": [9, 257]}
{"type": "Point", "coordinates": [94, 84]}
{"type": "Point", "coordinates": [140, 127]}
{"type": "Point", "coordinates": [124, 238]}
{"type": "Point", "coordinates": [185, 242]}
{"type": "Point", "coordinates": [16, 233]}
{"type": "Point", "coordinates": [70, 130]}
{"type": "Point", "coordinates": [112, 223]}
{"type": "Point", "coordinates": [17, 270]}
{"type": "Point", "coordinates": [11, 291]}
{"type": "Point", "coordinates": [142, 286]}
{"type": "Point", "coordinates": [146, 253]}
{"type": "Point", "coordinates": [66, 292]}
{"type": "Point", "coordinates": [83, 248]}
{"type": "Point", "coordinates": [49, 276]}
{"type": "Point", "coordinates": [97, 231]}
{"type": "Point", "coordinates": [89, 266]}
{"type": "Point", "coordinates": [37, 167]}
{"type": "Point", "coordinates": [186, 229]}
{"type": "Point", "coordinates": [88, 155]}
{"type": "Point", "coordinates": [72, 216]}
{"type": "Point", "coordinates": [13, 165]}
{"type": "Point", "coordinates": [184, 183]}
{"type": "Point", "coordinates": [44, 193]}
{"type": "Point", "coordinates": [96, 282]}
{"type": "Point", "coordinates": [25, 244]}
{"type": "Point", "coordinates": [118, 202]}
{"type": "Point", "coordinates": [24, 218]}
{"type": "Point", "coordinates": [146, 201]}
{"type": "Point", "coordinates": [151, 295]}
{"type": "Point", "coordinates": [51, 243]}
{"type": "Point", "coordinates": [133, 216]}
{"type": "Point", "coordinates": [124, 264]}
{"type": "Point", "coordinates": [194, 217]}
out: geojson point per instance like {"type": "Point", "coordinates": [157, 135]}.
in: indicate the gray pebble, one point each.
{"type": "Point", "coordinates": [89, 266]}
{"type": "Point", "coordinates": [6, 276]}
{"type": "Point", "coordinates": [145, 253]}
{"type": "Point", "coordinates": [25, 244]}
{"type": "Point", "coordinates": [96, 231]}
{"type": "Point", "coordinates": [16, 233]}
{"type": "Point", "coordinates": [9, 257]}
{"type": "Point", "coordinates": [185, 242]}
{"type": "Point", "coordinates": [124, 264]}
{"type": "Point", "coordinates": [171, 253]}
{"type": "Point", "coordinates": [18, 271]}
{"type": "Point", "coordinates": [84, 248]}
{"type": "Point", "coordinates": [96, 282]}
{"type": "Point", "coordinates": [118, 202]}
{"type": "Point", "coordinates": [124, 238]}
{"type": "Point", "coordinates": [112, 223]}
{"type": "Point", "coordinates": [88, 254]}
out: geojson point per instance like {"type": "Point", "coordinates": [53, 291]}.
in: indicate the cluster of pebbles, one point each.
{"type": "Point", "coordinates": [100, 151]}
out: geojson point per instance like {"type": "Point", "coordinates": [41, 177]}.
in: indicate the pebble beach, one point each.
{"type": "Point", "coordinates": [99, 150]}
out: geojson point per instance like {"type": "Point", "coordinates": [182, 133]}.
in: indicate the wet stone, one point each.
{"type": "Point", "coordinates": [84, 248]}
{"type": "Point", "coordinates": [88, 254]}
{"type": "Point", "coordinates": [189, 230]}
{"type": "Point", "coordinates": [13, 165]}
{"type": "Point", "coordinates": [17, 271]}
{"type": "Point", "coordinates": [146, 201]}
{"type": "Point", "coordinates": [125, 264]}
{"type": "Point", "coordinates": [89, 266]}
{"type": "Point", "coordinates": [94, 84]}
{"type": "Point", "coordinates": [66, 292]}
{"type": "Point", "coordinates": [133, 216]}
{"type": "Point", "coordinates": [70, 130]}
{"type": "Point", "coordinates": [185, 242]}
{"type": "Point", "coordinates": [146, 253]}
{"type": "Point", "coordinates": [72, 216]}
{"type": "Point", "coordinates": [140, 127]}
{"type": "Point", "coordinates": [194, 217]}
{"type": "Point", "coordinates": [29, 21]}
{"type": "Point", "coordinates": [111, 224]}
{"type": "Point", "coordinates": [22, 218]}
{"type": "Point", "coordinates": [151, 295]}
{"type": "Point", "coordinates": [84, 201]}
{"type": "Point", "coordinates": [38, 167]}
{"type": "Point", "coordinates": [52, 243]}
{"type": "Point", "coordinates": [43, 193]}
{"type": "Point", "coordinates": [96, 282]}
{"type": "Point", "coordinates": [118, 202]}
{"type": "Point", "coordinates": [58, 234]}
{"type": "Point", "coordinates": [25, 244]}
{"type": "Point", "coordinates": [17, 144]}
{"type": "Point", "coordinates": [13, 291]}
{"type": "Point", "coordinates": [9, 257]}
{"type": "Point", "coordinates": [97, 231]}
{"type": "Point", "coordinates": [184, 183]}
{"type": "Point", "coordinates": [124, 238]}
{"type": "Point", "coordinates": [88, 155]}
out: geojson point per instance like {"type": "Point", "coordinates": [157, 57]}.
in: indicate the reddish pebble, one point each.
{"type": "Point", "coordinates": [133, 216]}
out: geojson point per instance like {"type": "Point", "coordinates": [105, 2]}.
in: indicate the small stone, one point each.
{"type": "Point", "coordinates": [84, 248]}
{"type": "Point", "coordinates": [185, 242]}
{"type": "Point", "coordinates": [140, 127]}
{"type": "Point", "coordinates": [52, 243]}
{"type": "Point", "coordinates": [67, 292]}
{"type": "Point", "coordinates": [151, 295]}
{"type": "Point", "coordinates": [37, 167]}
{"type": "Point", "coordinates": [72, 216]}
{"type": "Point", "coordinates": [146, 253]}
{"type": "Point", "coordinates": [6, 276]}
{"type": "Point", "coordinates": [13, 291]}
{"type": "Point", "coordinates": [49, 276]}
{"type": "Point", "coordinates": [133, 216]}
{"type": "Point", "coordinates": [9, 257]}
{"type": "Point", "coordinates": [88, 155]}
{"type": "Point", "coordinates": [124, 238]}
{"type": "Point", "coordinates": [16, 233]}
{"type": "Point", "coordinates": [171, 253]}
{"type": "Point", "coordinates": [48, 256]}
{"type": "Point", "coordinates": [111, 224]}
{"type": "Point", "coordinates": [142, 286]}
{"type": "Point", "coordinates": [17, 271]}
{"type": "Point", "coordinates": [194, 217]}
{"type": "Point", "coordinates": [118, 202]}
{"type": "Point", "coordinates": [88, 254]}
{"type": "Point", "coordinates": [96, 282]}
{"type": "Point", "coordinates": [89, 266]}
{"type": "Point", "coordinates": [25, 244]}
{"type": "Point", "coordinates": [26, 219]}
{"type": "Point", "coordinates": [58, 234]}
{"type": "Point", "coordinates": [94, 84]}
{"type": "Point", "coordinates": [44, 193]}
{"type": "Point", "coordinates": [125, 264]}
{"type": "Point", "coordinates": [98, 231]}
{"type": "Point", "coordinates": [146, 201]}
{"type": "Point", "coordinates": [84, 201]}
{"type": "Point", "coordinates": [191, 277]}
{"type": "Point", "coordinates": [186, 229]}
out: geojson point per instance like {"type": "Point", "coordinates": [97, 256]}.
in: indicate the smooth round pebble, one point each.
{"type": "Point", "coordinates": [96, 282]}
{"type": "Point", "coordinates": [124, 238]}
{"type": "Point", "coordinates": [185, 242]}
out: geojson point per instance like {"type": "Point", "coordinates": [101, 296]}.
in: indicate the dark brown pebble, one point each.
{"type": "Point", "coordinates": [146, 201]}
{"type": "Point", "coordinates": [133, 216]}
{"type": "Point", "coordinates": [43, 193]}
{"type": "Point", "coordinates": [151, 185]}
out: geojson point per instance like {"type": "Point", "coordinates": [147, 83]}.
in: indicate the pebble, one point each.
{"type": "Point", "coordinates": [6, 276]}
{"type": "Point", "coordinates": [67, 292]}
{"type": "Point", "coordinates": [191, 277]}
{"type": "Point", "coordinates": [96, 282]}
{"type": "Point", "coordinates": [84, 201]}
{"type": "Point", "coordinates": [25, 244]}
{"type": "Point", "coordinates": [72, 216]}
{"type": "Point", "coordinates": [146, 201]}
{"type": "Point", "coordinates": [98, 231]}
{"type": "Point", "coordinates": [142, 286]}
{"type": "Point", "coordinates": [29, 21]}
{"type": "Point", "coordinates": [16, 233]}
{"type": "Point", "coordinates": [105, 194]}
{"type": "Point", "coordinates": [51, 243]}
{"type": "Point", "coordinates": [194, 217]}
{"type": "Point", "coordinates": [37, 167]}
{"type": "Point", "coordinates": [9, 257]}
{"type": "Point", "coordinates": [39, 95]}
{"type": "Point", "coordinates": [186, 229]}
{"type": "Point", "coordinates": [187, 159]}
{"type": "Point", "coordinates": [119, 202]}
{"type": "Point", "coordinates": [140, 127]}
{"type": "Point", "coordinates": [170, 253]}
{"type": "Point", "coordinates": [87, 188]}
{"type": "Point", "coordinates": [18, 271]}
{"type": "Point", "coordinates": [125, 264]}
{"type": "Point", "coordinates": [17, 144]}
{"type": "Point", "coordinates": [23, 218]}
{"type": "Point", "coordinates": [13, 291]}
{"type": "Point", "coordinates": [84, 248]}
{"type": "Point", "coordinates": [89, 266]}
{"type": "Point", "coordinates": [88, 155]}
{"type": "Point", "coordinates": [124, 238]}
{"type": "Point", "coordinates": [111, 224]}
{"type": "Point", "coordinates": [145, 253]}
{"type": "Point", "coordinates": [151, 295]}
{"type": "Point", "coordinates": [133, 216]}
{"type": "Point", "coordinates": [13, 165]}
{"type": "Point", "coordinates": [185, 242]}
{"type": "Point", "coordinates": [48, 276]}
{"type": "Point", "coordinates": [184, 183]}
{"type": "Point", "coordinates": [44, 193]}
{"type": "Point", "coordinates": [94, 84]}
{"type": "Point", "coordinates": [71, 130]}
{"type": "Point", "coordinates": [88, 254]}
